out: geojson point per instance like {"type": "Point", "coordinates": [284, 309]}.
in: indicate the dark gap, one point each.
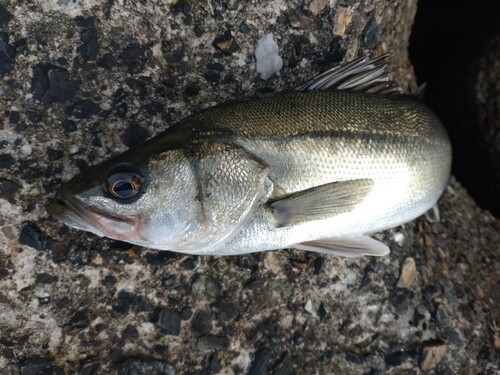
{"type": "Point", "coordinates": [448, 40]}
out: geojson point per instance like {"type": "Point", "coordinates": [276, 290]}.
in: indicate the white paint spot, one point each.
{"type": "Point", "coordinates": [55, 338]}
{"type": "Point", "coordinates": [243, 360]}
{"type": "Point", "coordinates": [93, 275]}
{"type": "Point", "coordinates": [147, 329]}
{"type": "Point", "coordinates": [309, 306]}
{"type": "Point", "coordinates": [3, 363]}
{"type": "Point", "coordinates": [26, 149]}
{"type": "Point", "coordinates": [70, 7]}
{"type": "Point", "coordinates": [266, 54]}
{"type": "Point", "coordinates": [9, 316]}
{"type": "Point", "coordinates": [399, 238]}
{"type": "Point", "coordinates": [74, 149]}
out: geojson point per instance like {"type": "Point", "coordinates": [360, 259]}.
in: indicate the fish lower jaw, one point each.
{"type": "Point", "coordinates": [71, 218]}
{"type": "Point", "coordinates": [76, 215]}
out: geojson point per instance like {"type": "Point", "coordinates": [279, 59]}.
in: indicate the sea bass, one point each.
{"type": "Point", "coordinates": [318, 168]}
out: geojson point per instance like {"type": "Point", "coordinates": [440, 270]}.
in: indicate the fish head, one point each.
{"type": "Point", "coordinates": [166, 195]}
{"type": "Point", "coordinates": [143, 197]}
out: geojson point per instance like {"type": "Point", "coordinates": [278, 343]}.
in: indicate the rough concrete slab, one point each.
{"type": "Point", "coordinates": [82, 80]}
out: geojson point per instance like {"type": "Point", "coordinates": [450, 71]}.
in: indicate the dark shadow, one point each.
{"type": "Point", "coordinates": [447, 40]}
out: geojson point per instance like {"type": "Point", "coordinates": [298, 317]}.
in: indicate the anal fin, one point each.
{"type": "Point", "coordinates": [346, 246]}
{"type": "Point", "coordinates": [432, 215]}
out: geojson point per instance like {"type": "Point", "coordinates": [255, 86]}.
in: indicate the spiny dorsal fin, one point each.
{"type": "Point", "coordinates": [363, 74]}
{"type": "Point", "coordinates": [420, 91]}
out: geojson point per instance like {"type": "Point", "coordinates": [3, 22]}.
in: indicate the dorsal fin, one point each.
{"type": "Point", "coordinates": [363, 74]}
{"type": "Point", "coordinates": [420, 91]}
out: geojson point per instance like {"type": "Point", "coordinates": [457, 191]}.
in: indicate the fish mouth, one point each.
{"type": "Point", "coordinates": [76, 214]}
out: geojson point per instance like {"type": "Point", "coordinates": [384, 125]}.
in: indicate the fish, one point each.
{"type": "Point", "coordinates": [318, 168]}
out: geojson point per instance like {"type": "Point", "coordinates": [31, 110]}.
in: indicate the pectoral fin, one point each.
{"type": "Point", "coordinates": [320, 202]}
{"type": "Point", "coordinates": [346, 247]}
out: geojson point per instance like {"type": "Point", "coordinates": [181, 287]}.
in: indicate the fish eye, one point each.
{"type": "Point", "coordinates": [124, 182]}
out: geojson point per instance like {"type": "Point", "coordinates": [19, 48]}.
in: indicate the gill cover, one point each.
{"type": "Point", "coordinates": [231, 181]}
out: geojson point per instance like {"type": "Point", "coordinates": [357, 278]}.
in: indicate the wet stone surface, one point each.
{"type": "Point", "coordinates": [81, 81]}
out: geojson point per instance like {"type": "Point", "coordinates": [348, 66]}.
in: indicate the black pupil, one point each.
{"type": "Point", "coordinates": [124, 189]}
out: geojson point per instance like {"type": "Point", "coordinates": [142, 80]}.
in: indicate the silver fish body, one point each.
{"type": "Point", "coordinates": [313, 170]}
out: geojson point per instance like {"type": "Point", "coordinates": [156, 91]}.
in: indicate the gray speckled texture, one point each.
{"type": "Point", "coordinates": [82, 80]}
